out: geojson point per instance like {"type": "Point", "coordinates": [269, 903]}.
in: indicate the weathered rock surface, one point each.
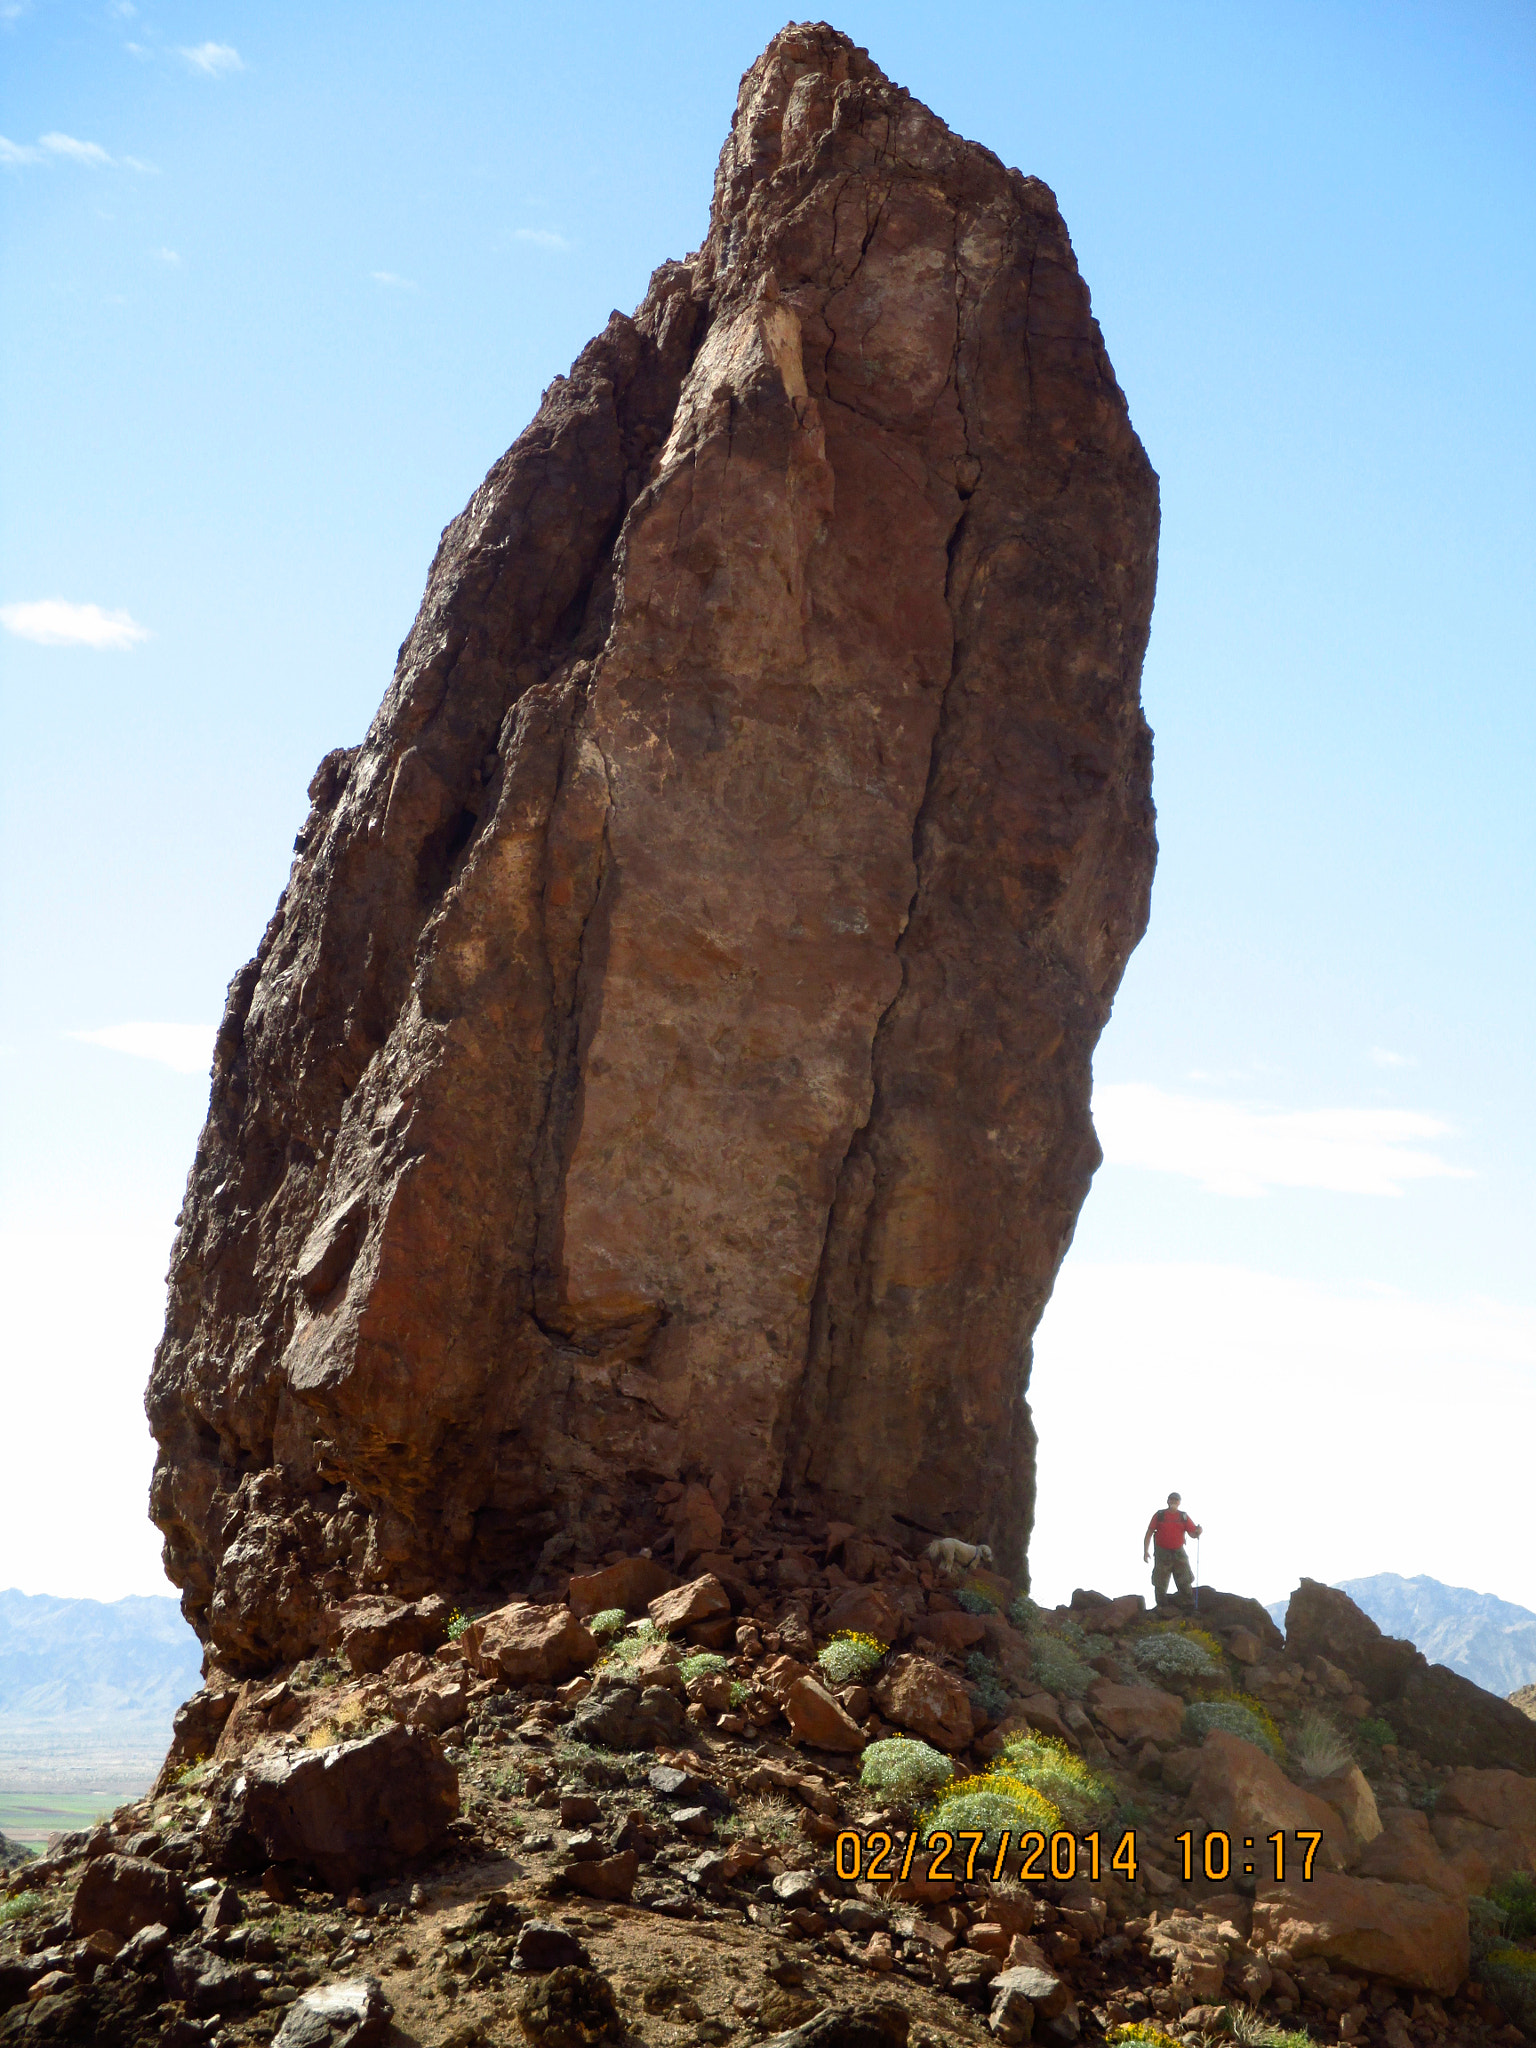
{"type": "Point", "coordinates": [926, 1700]}
{"type": "Point", "coordinates": [1431, 1708]}
{"type": "Point", "coordinates": [352, 2013]}
{"type": "Point", "coordinates": [1406, 1932]}
{"type": "Point", "coordinates": [1241, 1789]}
{"type": "Point", "coordinates": [523, 1644]}
{"type": "Point", "coordinates": [353, 1812]}
{"type": "Point", "coordinates": [671, 1052]}
{"type": "Point", "coordinates": [125, 1893]}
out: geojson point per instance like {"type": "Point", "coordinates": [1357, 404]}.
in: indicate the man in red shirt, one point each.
{"type": "Point", "coordinates": [1169, 1526]}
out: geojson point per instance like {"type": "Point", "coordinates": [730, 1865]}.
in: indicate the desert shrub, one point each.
{"type": "Point", "coordinates": [458, 1621]}
{"type": "Point", "coordinates": [1319, 1746]}
{"type": "Point", "coordinates": [769, 1816]}
{"type": "Point", "coordinates": [904, 1766]}
{"type": "Point", "coordinates": [991, 1805]}
{"type": "Point", "coordinates": [1372, 1732]}
{"type": "Point", "coordinates": [986, 1688]}
{"type": "Point", "coordinates": [977, 1600]}
{"type": "Point", "coordinates": [850, 1657]}
{"type": "Point", "coordinates": [1168, 1654]}
{"type": "Point", "coordinates": [19, 1907]}
{"type": "Point", "coordinates": [624, 1649]}
{"type": "Point", "coordinates": [1238, 1715]}
{"type": "Point", "coordinates": [1025, 1613]}
{"type": "Point", "coordinates": [1515, 1899]}
{"type": "Point", "coordinates": [700, 1664]}
{"type": "Point", "coordinates": [1057, 1666]}
{"type": "Point", "coordinates": [1082, 1797]}
{"type": "Point", "coordinates": [1141, 2034]}
{"type": "Point", "coordinates": [609, 1622]}
{"type": "Point", "coordinates": [1250, 2029]}
{"type": "Point", "coordinates": [1510, 1974]}
{"type": "Point", "coordinates": [740, 1693]}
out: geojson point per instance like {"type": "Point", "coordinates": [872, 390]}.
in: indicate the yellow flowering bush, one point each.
{"type": "Point", "coordinates": [850, 1657]}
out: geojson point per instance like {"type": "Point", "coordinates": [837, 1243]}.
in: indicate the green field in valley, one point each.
{"type": "Point", "coordinates": [31, 1817]}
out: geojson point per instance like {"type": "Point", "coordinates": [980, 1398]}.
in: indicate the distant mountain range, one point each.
{"type": "Point", "coordinates": [1488, 1640]}
{"type": "Point", "coordinates": [89, 1678]}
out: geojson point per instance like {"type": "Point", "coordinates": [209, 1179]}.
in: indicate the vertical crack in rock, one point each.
{"type": "Point", "coordinates": [670, 1055]}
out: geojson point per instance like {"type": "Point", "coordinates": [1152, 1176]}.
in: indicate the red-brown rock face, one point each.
{"type": "Point", "coordinates": [670, 1055]}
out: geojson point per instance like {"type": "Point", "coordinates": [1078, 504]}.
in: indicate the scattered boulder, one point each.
{"type": "Point", "coordinates": [955, 1631]}
{"type": "Point", "coordinates": [604, 1877]}
{"type": "Point", "coordinates": [206, 1984]}
{"type": "Point", "coordinates": [868, 1611]}
{"type": "Point", "coordinates": [816, 1718]}
{"type": "Point", "coordinates": [1484, 1824]}
{"type": "Point", "coordinates": [1136, 1713]}
{"type": "Point", "coordinates": [1240, 1788]}
{"type": "Point", "coordinates": [373, 1629]}
{"type": "Point", "coordinates": [926, 1700]}
{"type": "Point", "coordinates": [696, 1525]}
{"type": "Point", "coordinates": [543, 1945]}
{"type": "Point", "coordinates": [1524, 1698]}
{"type": "Point", "coordinates": [356, 1811]}
{"type": "Point", "coordinates": [352, 2013]}
{"type": "Point", "coordinates": [631, 1583]}
{"type": "Point", "coordinates": [125, 1893]}
{"type": "Point", "coordinates": [1349, 1793]}
{"type": "Point", "coordinates": [702, 1599]}
{"type": "Point", "coordinates": [528, 1645]}
{"type": "Point", "coordinates": [1405, 1932]}
{"type": "Point", "coordinates": [196, 1729]}
{"type": "Point", "coordinates": [631, 1717]}
{"type": "Point", "coordinates": [1405, 1852]}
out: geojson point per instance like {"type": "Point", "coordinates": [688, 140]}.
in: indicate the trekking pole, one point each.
{"type": "Point", "coordinates": [1197, 1575]}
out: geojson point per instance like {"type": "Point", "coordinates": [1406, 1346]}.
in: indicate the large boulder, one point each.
{"type": "Point", "coordinates": [528, 1645]}
{"type": "Point", "coordinates": [1413, 1935]}
{"type": "Point", "coordinates": [1240, 1789]}
{"type": "Point", "coordinates": [353, 1812]}
{"type": "Point", "coordinates": [1348, 1792]}
{"type": "Point", "coordinates": [373, 1629]}
{"type": "Point", "coordinates": [123, 1894]}
{"type": "Point", "coordinates": [702, 1599]}
{"type": "Point", "coordinates": [1136, 1713]}
{"type": "Point", "coordinates": [631, 1717]}
{"type": "Point", "coordinates": [1432, 1708]}
{"type": "Point", "coordinates": [866, 1611]}
{"type": "Point", "coordinates": [631, 1583]}
{"type": "Point", "coordinates": [351, 2013]}
{"type": "Point", "coordinates": [818, 1719]}
{"type": "Point", "coordinates": [926, 1700]}
{"type": "Point", "coordinates": [683, 999]}
{"type": "Point", "coordinates": [1484, 1825]}
{"type": "Point", "coordinates": [1405, 1852]}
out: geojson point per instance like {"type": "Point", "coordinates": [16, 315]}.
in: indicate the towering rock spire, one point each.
{"type": "Point", "coordinates": [670, 1055]}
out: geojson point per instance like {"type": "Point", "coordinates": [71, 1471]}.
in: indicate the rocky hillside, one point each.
{"type": "Point", "coordinates": [670, 1057]}
{"type": "Point", "coordinates": [1488, 1640]}
{"type": "Point", "coordinates": [648, 1811]}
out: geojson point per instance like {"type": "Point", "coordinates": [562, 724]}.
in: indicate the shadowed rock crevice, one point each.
{"type": "Point", "coordinates": [670, 1054]}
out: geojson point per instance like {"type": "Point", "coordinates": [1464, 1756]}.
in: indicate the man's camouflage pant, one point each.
{"type": "Point", "coordinates": [1174, 1563]}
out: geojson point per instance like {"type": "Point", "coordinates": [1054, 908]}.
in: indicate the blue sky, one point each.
{"type": "Point", "coordinates": [281, 283]}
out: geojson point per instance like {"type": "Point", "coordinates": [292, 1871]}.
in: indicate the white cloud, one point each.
{"type": "Point", "coordinates": [169, 256]}
{"type": "Point", "coordinates": [542, 238]}
{"type": "Point", "coordinates": [187, 1048]}
{"type": "Point", "coordinates": [1380, 1057]}
{"type": "Point", "coordinates": [52, 622]}
{"type": "Point", "coordinates": [78, 152]}
{"type": "Point", "coordinates": [135, 164]}
{"type": "Point", "coordinates": [1236, 1148]}
{"type": "Point", "coordinates": [18, 152]}
{"type": "Point", "coordinates": [1331, 1431]}
{"type": "Point", "coordinates": [392, 282]}
{"type": "Point", "coordinates": [214, 60]}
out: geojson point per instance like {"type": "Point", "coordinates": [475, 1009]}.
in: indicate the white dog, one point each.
{"type": "Point", "coordinates": [954, 1557]}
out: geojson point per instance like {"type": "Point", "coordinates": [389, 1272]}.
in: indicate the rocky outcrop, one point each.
{"type": "Point", "coordinates": [670, 1055]}
{"type": "Point", "coordinates": [1432, 1708]}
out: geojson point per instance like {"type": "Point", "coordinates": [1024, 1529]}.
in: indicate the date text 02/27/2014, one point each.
{"type": "Point", "coordinates": [1033, 1857]}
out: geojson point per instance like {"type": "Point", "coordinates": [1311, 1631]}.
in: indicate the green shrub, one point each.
{"type": "Point", "coordinates": [1516, 1901]}
{"type": "Point", "coordinates": [610, 1622]}
{"type": "Point", "coordinates": [739, 1693]}
{"type": "Point", "coordinates": [1083, 1798]}
{"type": "Point", "coordinates": [850, 1657]}
{"type": "Point", "coordinates": [1250, 2029]}
{"type": "Point", "coordinates": [1058, 1668]}
{"type": "Point", "coordinates": [458, 1621]}
{"type": "Point", "coordinates": [1244, 1718]}
{"type": "Point", "coordinates": [977, 1600]}
{"type": "Point", "coordinates": [902, 1765]}
{"type": "Point", "coordinates": [1171, 1655]}
{"type": "Point", "coordinates": [1025, 1613]}
{"type": "Point", "coordinates": [1510, 1974]}
{"type": "Point", "coordinates": [1141, 2034]}
{"type": "Point", "coordinates": [1371, 1733]}
{"type": "Point", "coordinates": [986, 1688]}
{"type": "Point", "coordinates": [700, 1664]}
{"type": "Point", "coordinates": [626, 1648]}
{"type": "Point", "coordinates": [19, 1907]}
{"type": "Point", "coordinates": [992, 1805]}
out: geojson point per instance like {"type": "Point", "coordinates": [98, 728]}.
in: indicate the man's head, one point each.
{"type": "Point", "coordinates": [1174, 1499]}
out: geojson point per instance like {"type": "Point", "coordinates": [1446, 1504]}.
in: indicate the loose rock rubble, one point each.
{"type": "Point", "coordinates": [668, 1874]}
